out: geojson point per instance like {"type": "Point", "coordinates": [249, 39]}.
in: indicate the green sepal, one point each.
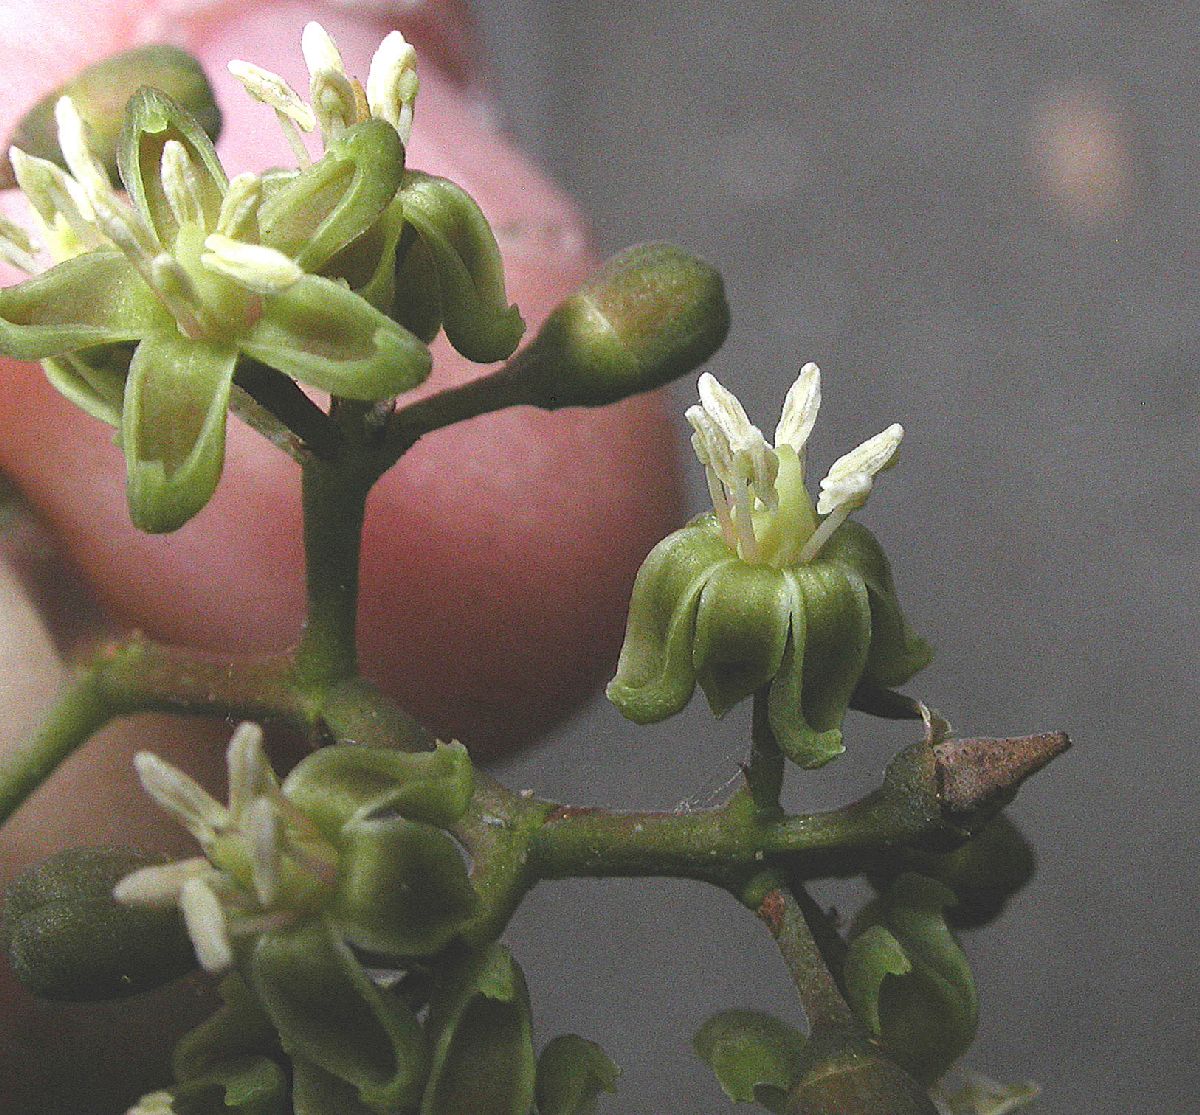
{"type": "Point", "coordinates": [322, 334]}
{"type": "Point", "coordinates": [317, 1092]}
{"type": "Point", "coordinates": [315, 214]}
{"type": "Point", "coordinates": [93, 380]}
{"type": "Point", "coordinates": [345, 783]}
{"type": "Point", "coordinates": [756, 1058]}
{"type": "Point", "coordinates": [92, 299]}
{"type": "Point", "coordinates": [101, 92]}
{"type": "Point", "coordinates": [830, 638]}
{"type": "Point", "coordinates": [468, 270]}
{"type": "Point", "coordinates": [238, 1028]}
{"type": "Point", "coordinates": [328, 1011]}
{"type": "Point", "coordinates": [571, 1074]}
{"type": "Point", "coordinates": [897, 652]}
{"type": "Point", "coordinates": [907, 978]}
{"type": "Point", "coordinates": [655, 672]}
{"type": "Point", "coordinates": [66, 937]}
{"type": "Point", "coordinates": [151, 120]}
{"type": "Point", "coordinates": [742, 623]}
{"type": "Point", "coordinates": [483, 1060]}
{"type": "Point", "coordinates": [403, 889]}
{"type": "Point", "coordinates": [380, 246]}
{"type": "Point", "coordinates": [173, 427]}
{"type": "Point", "coordinates": [246, 1086]}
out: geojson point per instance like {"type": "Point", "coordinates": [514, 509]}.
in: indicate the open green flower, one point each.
{"type": "Point", "coordinates": [335, 274]}
{"type": "Point", "coordinates": [768, 591]}
{"type": "Point", "coordinates": [349, 853]}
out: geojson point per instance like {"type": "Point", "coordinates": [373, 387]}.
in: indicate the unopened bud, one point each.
{"type": "Point", "coordinates": [101, 92]}
{"type": "Point", "coordinates": [67, 937]}
{"type": "Point", "coordinates": [651, 314]}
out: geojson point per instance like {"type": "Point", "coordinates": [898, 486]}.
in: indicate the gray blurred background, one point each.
{"type": "Point", "coordinates": [981, 219]}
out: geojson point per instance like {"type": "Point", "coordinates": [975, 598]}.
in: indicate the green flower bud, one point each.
{"type": "Point", "coordinates": [756, 1058]}
{"type": "Point", "coordinates": [571, 1074]}
{"type": "Point", "coordinates": [68, 938]}
{"type": "Point", "coordinates": [101, 92]}
{"type": "Point", "coordinates": [854, 1078]}
{"type": "Point", "coordinates": [908, 981]}
{"type": "Point", "coordinates": [483, 1060]}
{"type": "Point", "coordinates": [763, 594]}
{"type": "Point", "coordinates": [651, 314]}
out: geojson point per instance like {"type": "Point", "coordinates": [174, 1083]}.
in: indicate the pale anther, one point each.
{"type": "Point", "coordinates": [159, 885]}
{"type": "Point", "coordinates": [72, 140]}
{"type": "Point", "coordinates": [250, 773]}
{"type": "Point", "coordinates": [262, 830]}
{"type": "Point", "coordinates": [181, 184]}
{"type": "Point", "coordinates": [331, 91]}
{"type": "Point", "coordinates": [205, 922]}
{"type": "Point", "coordinates": [392, 83]}
{"type": "Point", "coordinates": [273, 90]}
{"type": "Point", "coordinates": [17, 246]}
{"type": "Point", "coordinates": [180, 794]}
{"type": "Point", "coordinates": [256, 267]}
{"type": "Point", "coordinates": [800, 408]}
{"type": "Point", "coordinates": [62, 207]}
{"type": "Point", "coordinates": [871, 458]}
{"type": "Point", "coordinates": [238, 218]}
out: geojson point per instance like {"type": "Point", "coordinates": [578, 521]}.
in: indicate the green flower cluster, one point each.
{"type": "Point", "coordinates": [766, 591]}
{"type": "Point", "coordinates": [334, 275]}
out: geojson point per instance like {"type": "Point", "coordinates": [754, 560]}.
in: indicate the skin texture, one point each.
{"type": "Point", "coordinates": [498, 555]}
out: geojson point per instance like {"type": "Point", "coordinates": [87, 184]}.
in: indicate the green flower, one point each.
{"type": "Point", "coordinates": [348, 853]}
{"type": "Point", "coordinates": [335, 274]}
{"type": "Point", "coordinates": [768, 591]}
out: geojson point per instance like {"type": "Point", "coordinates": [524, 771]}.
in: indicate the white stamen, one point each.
{"type": "Point", "coordinates": [177, 793]}
{"type": "Point", "coordinates": [181, 184]}
{"type": "Point", "coordinates": [159, 886]}
{"type": "Point", "coordinates": [262, 830]}
{"type": "Point", "coordinates": [392, 83]}
{"type": "Point", "coordinates": [125, 228]}
{"type": "Point", "coordinates": [77, 152]}
{"type": "Point", "coordinates": [331, 91]}
{"type": "Point", "coordinates": [250, 773]}
{"type": "Point", "coordinates": [713, 453]}
{"type": "Point", "coordinates": [292, 113]}
{"type": "Point", "coordinates": [17, 247]}
{"type": "Point", "coordinates": [273, 90]}
{"type": "Point", "coordinates": [255, 266]}
{"type": "Point", "coordinates": [205, 921]}
{"type": "Point", "coordinates": [239, 207]}
{"type": "Point", "coordinates": [844, 483]}
{"type": "Point", "coordinates": [155, 1103]}
{"type": "Point", "coordinates": [752, 458]}
{"type": "Point", "coordinates": [800, 409]}
{"type": "Point", "coordinates": [60, 204]}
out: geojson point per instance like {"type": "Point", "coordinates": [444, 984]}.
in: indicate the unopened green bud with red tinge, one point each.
{"type": "Point", "coordinates": [651, 314]}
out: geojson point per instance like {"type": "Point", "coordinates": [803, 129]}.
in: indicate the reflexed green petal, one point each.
{"type": "Point", "coordinates": [742, 624]}
{"type": "Point", "coordinates": [417, 297]}
{"type": "Point", "coordinates": [907, 978]}
{"type": "Point", "coordinates": [831, 634]}
{"type": "Point", "coordinates": [94, 380]}
{"type": "Point", "coordinates": [173, 428]}
{"type": "Point", "coordinates": [93, 299]}
{"type": "Point", "coordinates": [337, 785]}
{"type": "Point", "coordinates": [403, 889]}
{"type": "Point", "coordinates": [756, 1058]}
{"type": "Point", "coordinates": [321, 334]}
{"type": "Point", "coordinates": [247, 1086]}
{"type": "Point", "coordinates": [327, 1011]}
{"type": "Point", "coordinates": [478, 319]}
{"type": "Point", "coordinates": [571, 1074]}
{"type": "Point", "coordinates": [317, 1092]}
{"type": "Point", "coordinates": [237, 1029]}
{"type": "Point", "coordinates": [897, 652]}
{"type": "Point", "coordinates": [483, 1059]}
{"type": "Point", "coordinates": [151, 120]}
{"type": "Point", "coordinates": [655, 676]}
{"type": "Point", "coordinates": [316, 214]}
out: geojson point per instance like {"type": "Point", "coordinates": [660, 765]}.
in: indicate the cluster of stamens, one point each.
{"type": "Point", "coordinates": [744, 472]}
